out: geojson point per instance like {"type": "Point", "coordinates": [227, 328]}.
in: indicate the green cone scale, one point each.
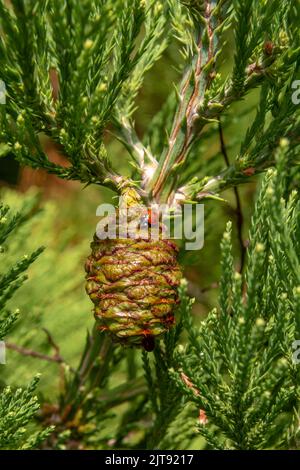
{"type": "Point", "coordinates": [133, 283]}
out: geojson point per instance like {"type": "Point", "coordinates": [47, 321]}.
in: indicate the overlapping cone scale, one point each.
{"type": "Point", "coordinates": [133, 283]}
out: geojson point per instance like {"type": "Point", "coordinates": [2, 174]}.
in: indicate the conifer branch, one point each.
{"type": "Point", "coordinates": [18, 407]}
{"type": "Point", "coordinates": [197, 79]}
{"type": "Point", "coordinates": [246, 380]}
{"type": "Point", "coordinates": [217, 97]}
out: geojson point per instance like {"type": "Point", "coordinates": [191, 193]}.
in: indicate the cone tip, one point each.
{"type": "Point", "coordinates": [148, 343]}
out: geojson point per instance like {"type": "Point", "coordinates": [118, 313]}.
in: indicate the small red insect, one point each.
{"type": "Point", "coordinates": [249, 171]}
{"type": "Point", "coordinates": [268, 47]}
{"type": "Point", "coordinates": [153, 216]}
{"type": "Point", "coordinates": [150, 218]}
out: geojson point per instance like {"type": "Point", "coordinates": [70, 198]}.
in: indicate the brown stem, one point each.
{"type": "Point", "coordinates": [238, 210]}
{"type": "Point", "coordinates": [52, 342]}
{"type": "Point", "coordinates": [35, 354]}
{"type": "Point", "coordinates": [29, 352]}
{"type": "Point", "coordinates": [188, 109]}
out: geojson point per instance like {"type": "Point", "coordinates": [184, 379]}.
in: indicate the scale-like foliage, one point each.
{"type": "Point", "coordinates": [17, 407]}
{"type": "Point", "coordinates": [73, 72]}
{"type": "Point", "coordinates": [240, 365]}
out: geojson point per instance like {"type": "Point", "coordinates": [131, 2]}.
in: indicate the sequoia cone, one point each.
{"type": "Point", "coordinates": [133, 283]}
